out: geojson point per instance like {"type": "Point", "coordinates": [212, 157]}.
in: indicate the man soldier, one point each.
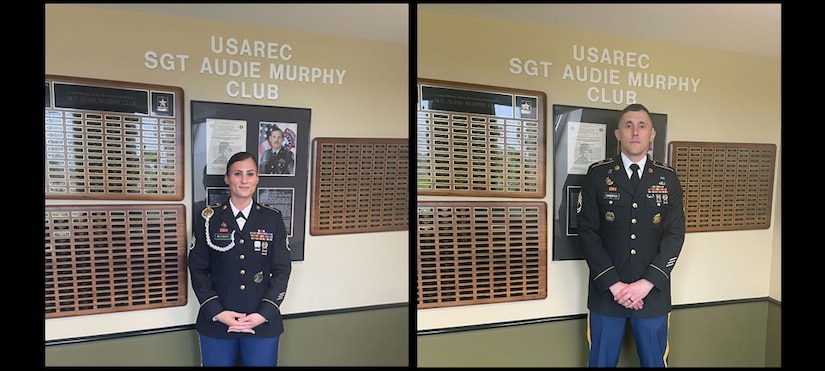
{"type": "Point", "coordinates": [632, 227]}
{"type": "Point", "coordinates": [276, 159]}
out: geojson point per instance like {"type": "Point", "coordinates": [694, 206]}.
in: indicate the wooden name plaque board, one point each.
{"type": "Point", "coordinates": [102, 259]}
{"type": "Point", "coordinates": [360, 185]}
{"type": "Point", "coordinates": [481, 252]}
{"type": "Point", "coordinates": [113, 140]}
{"type": "Point", "coordinates": [727, 186]}
{"type": "Point", "coordinates": [476, 140]}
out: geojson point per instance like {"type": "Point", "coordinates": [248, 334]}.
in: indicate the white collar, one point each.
{"type": "Point", "coordinates": [245, 210]}
{"type": "Point", "coordinates": [626, 162]}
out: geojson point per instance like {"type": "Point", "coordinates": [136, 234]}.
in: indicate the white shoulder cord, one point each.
{"type": "Point", "coordinates": [207, 214]}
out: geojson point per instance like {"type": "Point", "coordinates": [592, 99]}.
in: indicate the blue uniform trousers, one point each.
{"type": "Point", "coordinates": [253, 351]}
{"type": "Point", "coordinates": [605, 335]}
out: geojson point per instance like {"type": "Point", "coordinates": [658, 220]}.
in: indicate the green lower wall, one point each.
{"type": "Point", "coordinates": [773, 346]}
{"type": "Point", "coordinates": [738, 334]}
{"type": "Point", "coordinates": [370, 337]}
{"type": "Point", "coordinates": [744, 334]}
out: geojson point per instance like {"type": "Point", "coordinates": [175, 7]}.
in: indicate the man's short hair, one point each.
{"type": "Point", "coordinates": [633, 107]}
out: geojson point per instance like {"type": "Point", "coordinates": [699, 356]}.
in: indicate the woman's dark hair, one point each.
{"type": "Point", "coordinates": [240, 156]}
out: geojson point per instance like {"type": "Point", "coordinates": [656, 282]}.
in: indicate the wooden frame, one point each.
{"type": "Point", "coordinates": [481, 252]}
{"type": "Point", "coordinates": [113, 140]}
{"type": "Point", "coordinates": [727, 186]}
{"type": "Point", "coordinates": [360, 185]}
{"type": "Point", "coordinates": [478, 140]}
{"type": "Point", "coordinates": [114, 258]}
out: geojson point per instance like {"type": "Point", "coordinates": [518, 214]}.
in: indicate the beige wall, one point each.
{"type": "Point", "coordinates": [339, 271]}
{"type": "Point", "coordinates": [737, 100]}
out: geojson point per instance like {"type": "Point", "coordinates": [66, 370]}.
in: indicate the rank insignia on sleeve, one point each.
{"type": "Point", "coordinates": [578, 205]}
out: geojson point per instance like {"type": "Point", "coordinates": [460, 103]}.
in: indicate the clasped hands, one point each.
{"type": "Point", "coordinates": [240, 322]}
{"type": "Point", "coordinates": [631, 295]}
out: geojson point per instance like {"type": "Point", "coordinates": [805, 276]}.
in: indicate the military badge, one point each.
{"type": "Point", "coordinates": [608, 181]}
{"type": "Point", "coordinates": [261, 235]}
{"type": "Point", "coordinates": [609, 216]}
{"type": "Point", "coordinates": [259, 277]}
{"type": "Point", "coordinates": [657, 189]}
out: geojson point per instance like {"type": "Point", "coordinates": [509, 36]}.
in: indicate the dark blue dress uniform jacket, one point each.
{"type": "Point", "coordinates": [630, 234]}
{"type": "Point", "coordinates": [241, 270]}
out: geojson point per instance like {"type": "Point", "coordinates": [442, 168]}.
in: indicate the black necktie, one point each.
{"type": "Point", "coordinates": [240, 215]}
{"type": "Point", "coordinates": [634, 175]}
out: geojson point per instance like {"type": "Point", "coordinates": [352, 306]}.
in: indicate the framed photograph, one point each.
{"type": "Point", "coordinates": [277, 147]}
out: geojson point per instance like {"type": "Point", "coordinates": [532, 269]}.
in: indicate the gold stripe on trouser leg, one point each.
{"type": "Point", "coordinates": [667, 342]}
{"type": "Point", "coordinates": [589, 343]}
{"type": "Point", "coordinates": [200, 350]}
